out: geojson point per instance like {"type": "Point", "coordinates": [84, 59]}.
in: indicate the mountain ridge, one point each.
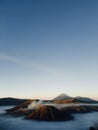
{"type": "Point", "coordinates": [11, 101]}
{"type": "Point", "coordinates": [62, 98]}
{"type": "Point", "coordinates": [77, 98]}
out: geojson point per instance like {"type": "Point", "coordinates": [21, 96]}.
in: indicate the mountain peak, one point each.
{"type": "Point", "coordinates": [62, 96]}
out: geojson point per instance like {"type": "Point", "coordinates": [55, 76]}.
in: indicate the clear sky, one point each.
{"type": "Point", "coordinates": [48, 47]}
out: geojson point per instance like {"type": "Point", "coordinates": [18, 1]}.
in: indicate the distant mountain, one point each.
{"type": "Point", "coordinates": [62, 97]}
{"type": "Point", "coordinates": [85, 99]}
{"type": "Point", "coordinates": [11, 101]}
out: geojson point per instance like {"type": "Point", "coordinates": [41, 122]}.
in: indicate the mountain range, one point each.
{"type": "Point", "coordinates": [53, 110]}
{"type": "Point", "coordinates": [62, 98]}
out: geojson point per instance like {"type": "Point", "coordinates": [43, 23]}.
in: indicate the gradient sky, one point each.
{"type": "Point", "coordinates": [48, 47]}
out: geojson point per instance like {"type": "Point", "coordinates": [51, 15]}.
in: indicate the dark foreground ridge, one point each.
{"type": "Point", "coordinates": [94, 127]}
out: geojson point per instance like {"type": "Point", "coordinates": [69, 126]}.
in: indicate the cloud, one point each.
{"type": "Point", "coordinates": [32, 65]}
{"type": "Point", "coordinates": [9, 58]}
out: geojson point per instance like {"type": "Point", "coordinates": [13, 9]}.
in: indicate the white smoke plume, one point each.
{"type": "Point", "coordinates": [35, 104]}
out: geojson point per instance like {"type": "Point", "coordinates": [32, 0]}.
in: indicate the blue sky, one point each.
{"type": "Point", "coordinates": [48, 47]}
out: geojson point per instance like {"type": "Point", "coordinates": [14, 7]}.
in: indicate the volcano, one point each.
{"type": "Point", "coordinates": [48, 113]}
{"type": "Point", "coordinates": [62, 97]}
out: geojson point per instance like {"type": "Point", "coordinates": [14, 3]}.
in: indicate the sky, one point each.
{"type": "Point", "coordinates": [48, 47]}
